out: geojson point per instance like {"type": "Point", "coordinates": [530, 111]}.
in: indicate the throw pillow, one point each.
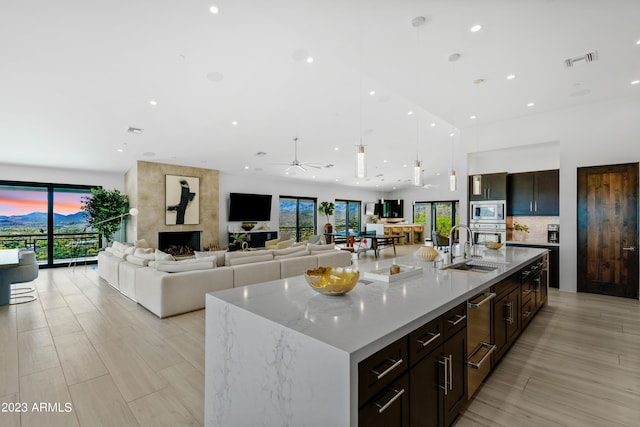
{"type": "Point", "coordinates": [146, 253]}
{"type": "Point", "coordinates": [163, 256]}
{"type": "Point", "coordinates": [218, 254]}
{"type": "Point", "coordinates": [137, 260]}
{"type": "Point", "coordinates": [142, 243]}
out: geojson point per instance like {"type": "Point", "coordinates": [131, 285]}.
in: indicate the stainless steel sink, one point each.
{"type": "Point", "coordinates": [473, 266]}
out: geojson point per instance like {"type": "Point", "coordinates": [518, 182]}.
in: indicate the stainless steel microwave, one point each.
{"type": "Point", "coordinates": [489, 211]}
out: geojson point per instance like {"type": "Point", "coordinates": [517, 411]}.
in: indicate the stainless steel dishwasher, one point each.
{"type": "Point", "coordinates": [479, 346]}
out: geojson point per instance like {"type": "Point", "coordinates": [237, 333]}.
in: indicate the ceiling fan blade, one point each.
{"type": "Point", "coordinates": [312, 165]}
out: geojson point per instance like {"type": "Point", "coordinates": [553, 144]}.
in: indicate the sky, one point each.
{"type": "Point", "coordinates": [17, 202]}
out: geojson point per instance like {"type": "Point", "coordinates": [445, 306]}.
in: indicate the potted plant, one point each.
{"type": "Point", "coordinates": [103, 211]}
{"type": "Point", "coordinates": [238, 241]}
{"type": "Point", "coordinates": [327, 208]}
{"type": "Point", "coordinates": [519, 231]}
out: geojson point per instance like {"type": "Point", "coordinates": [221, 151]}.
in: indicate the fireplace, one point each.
{"type": "Point", "coordinates": [179, 242]}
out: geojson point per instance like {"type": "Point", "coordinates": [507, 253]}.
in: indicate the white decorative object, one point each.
{"type": "Point", "coordinates": [383, 274]}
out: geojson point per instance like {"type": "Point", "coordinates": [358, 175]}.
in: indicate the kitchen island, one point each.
{"type": "Point", "coordinates": [279, 353]}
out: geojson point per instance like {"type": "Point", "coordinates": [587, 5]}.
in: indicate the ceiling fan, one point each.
{"type": "Point", "coordinates": [297, 164]}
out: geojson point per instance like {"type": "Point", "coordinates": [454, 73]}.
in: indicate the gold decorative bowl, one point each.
{"type": "Point", "coordinates": [493, 245]}
{"type": "Point", "coordinates": [332, 281]}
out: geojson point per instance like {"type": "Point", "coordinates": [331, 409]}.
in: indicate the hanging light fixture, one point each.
{"type": "Point", "coordinates": [416, 23]}
{"type": "Point", "coordinates": [361, 162]}
{"type": "Point", "coordinates": [452, 174]}
{"type": "Point", "coordinates": [476, 186]}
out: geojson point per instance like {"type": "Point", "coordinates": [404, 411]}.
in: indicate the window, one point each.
{"type": "Point", "coordinates": [436, 216]}
{"type": "Point", "coordinates": [46, 218]}
{"type": "Point", "coordinates": [297, 218]}
{"type": "Point", "coordinates": [347, 215]}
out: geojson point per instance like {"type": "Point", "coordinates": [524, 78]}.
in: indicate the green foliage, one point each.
{"type": "Point", "coordinates": [443, 225]}
{"type": "Point", "coordinates": [239, 238]}
{"type": "Point", "coordinates": [101, 206]}
{"type": "Point", "coordinates": [520, 227]}
{"type": "Point", "coordinates": [326, 208]}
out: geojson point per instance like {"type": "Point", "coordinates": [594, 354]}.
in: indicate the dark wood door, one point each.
{"type": "Point", "coordinates": [608, 230]}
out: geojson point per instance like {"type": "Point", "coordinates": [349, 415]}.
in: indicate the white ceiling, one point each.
{"type": "Point", "coordinates": [75, 74]}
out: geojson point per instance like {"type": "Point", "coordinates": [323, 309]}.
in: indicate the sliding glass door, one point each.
{"type": "Point", "coordinates": [297, 218]}
{"type": "Point", "coordinates": [347, 215]}
{"type": "Point", "coordinates": [436, 216]}
{"type": "Point", "coordinates": [46, 218]}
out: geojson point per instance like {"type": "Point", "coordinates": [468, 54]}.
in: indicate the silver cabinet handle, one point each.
{"type": "Point", "coordinates": [535, 206]}
{"type": "Point", "coordinates": [526, 291]}
{"type": "Point", "coordinates": [395, 397]}
{"type": "Point", "coordinates": [450, 372]}
{"type": "Point", "coordinates": [391, 368]}
{"type": "Point", "coordinates": [491, 347]}
{"type": "Point", "coordinates": [530, 205]}
{"type": "Point", "coordinates": [434, 336]}
{"type": "Point", "coordinates": [526, 314]}
{"type": "Point", "coordinates": [459, 318]}
{"type": "Point", "coordinates": [476, 305]}
{"type": "Point", "coordinates": [630, 248]}
{"type": "Point", "coordinates": [509, 307]}
{"type": "Point", "coordinates": [445, 362]}
{"type": "Point", "coordinates": [526, 274]}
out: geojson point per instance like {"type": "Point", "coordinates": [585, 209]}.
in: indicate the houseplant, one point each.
{"type": "Point", "coordinates": [104, 205]}
{"type": "Point", "coordinates": [327, 208]}
{"type": "Point", "coordinates": [519, 231]}
{"type": "Point", "coordinates": [237, 241]}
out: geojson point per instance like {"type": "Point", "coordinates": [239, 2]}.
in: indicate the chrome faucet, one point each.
{"type": "Point", "coordinates": [469, 240]}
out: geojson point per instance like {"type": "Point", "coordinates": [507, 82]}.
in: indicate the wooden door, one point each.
{"type": "Point", "coordinates": [608, 230]}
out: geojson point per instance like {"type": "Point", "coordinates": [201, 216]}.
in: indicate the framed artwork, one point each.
{"type": "Point", "coordinates": [182, 200]}
{"type": "Point", "coordinates": [369, 208]}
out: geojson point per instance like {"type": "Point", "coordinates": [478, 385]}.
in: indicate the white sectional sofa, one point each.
{"type": "Point", "coordinates": [167, 287]}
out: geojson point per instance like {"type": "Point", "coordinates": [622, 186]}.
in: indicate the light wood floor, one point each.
{"type": "Point", "coordinates": [113, 363]}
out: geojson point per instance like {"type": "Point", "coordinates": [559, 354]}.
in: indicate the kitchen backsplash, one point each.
{"type": "Point", "coordinates": [537, 227]}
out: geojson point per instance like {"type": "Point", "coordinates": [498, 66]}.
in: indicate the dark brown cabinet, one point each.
{"type": "Point", "coordinates": [419, 380]}
{"type": "Point", "coordinates": [506, 315]}
{"type": "Point", "coordinates": [492, 187]}
{"type": "Point", "coordinates": [534, 194]}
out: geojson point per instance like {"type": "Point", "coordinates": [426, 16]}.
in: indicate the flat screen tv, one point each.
{"type": "Point", "coordinates": [249, 207]}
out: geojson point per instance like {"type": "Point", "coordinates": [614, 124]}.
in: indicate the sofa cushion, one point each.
{"type": "Point", "coordinates": [218, 254]}
{"type": "Point", "coordinates": [288, 251]}
{"type": "Point", "coordinates": [250, 259]}
{"type": "Point", "coordinates": [256, 272]}
{"type": "Point", "coordinates": [320, 248]}
{"type": "Point", "coordinates": [163, 256]}
{"type": "Point", "coordinates": [228, 256]}
{"type": "Point", "coordinates": [296, 254]}
{"type": "Point", "coordinates": [118, 254]}
{"type": "Point", "coordinates": [297, 266]}
{"type": "Point", "coordinates": [334, 259]}
{"type": "Point", "coordinates": [178, 266]}
{"type": "Point", "coordinates": [122, 247]}
{"type": "Point", "coordinates": [146, 253]}
{"type": "Point", "coordinates": [137, 260]}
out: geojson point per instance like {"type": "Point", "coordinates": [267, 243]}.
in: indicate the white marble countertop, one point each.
{"type": "Point", "coordinates": [375, 314]}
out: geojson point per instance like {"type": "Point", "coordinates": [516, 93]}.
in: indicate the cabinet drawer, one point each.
{"type": "Point", "coordinates": [381, 369]}
{"type": "Point", "coordinates": [525, 291]}
{"type": "Point", "coordinates": [424, 339]}
{"type": "Point", "coordinates": [454, 320]}
{"type": "Point", "coordinates": [388, 408]}
{"type": "Point", "coordinates": [506, 286]}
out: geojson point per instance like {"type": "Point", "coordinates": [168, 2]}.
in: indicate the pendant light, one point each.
{"type": "Point", "coordinates": [361, 160]}
{"type": "Point", "coordinates": [416, 23]}
{"type": "Point", "coordinates": [452, 174]}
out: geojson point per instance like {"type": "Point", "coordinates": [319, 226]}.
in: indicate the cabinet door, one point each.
{"type": "Point", "coordinates": [547, 193]}
{"type": "Point", "coordinates": [513, 316]}
{"type": "Point", "coordinates": [390, 408]}
{"type": "Point", "coordinates": [426, 384]}
{"type": "Point", "coordinates": [520, 194]}
{"type": "Point", "coordinates": [496, 186]}
{"type": "Point", "coordinates": [499, 327]}
{"type": "Point", "coordinates": [454, 400]}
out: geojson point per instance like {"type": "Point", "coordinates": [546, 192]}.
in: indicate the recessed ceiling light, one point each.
{"type": "Point", "coordinates": [433, 125]}
{"type": "Point", "coordinates": [638, 42]}
{"type": "Point", "coordinates": [336, 148]}
{"type": "Point", "coordinates": [246, 168]}
{"type": "Point", "coordinates": [337, 180]}
{"type": "Point", "coordinates": [372, 92]}
{"type": "Point", "coordinates": [120, 150]}
{"type": "Point", "coordinates": [309, 59]}
{"type": "Point", "coordinates": [635, 82]}
{"type": "Point", "coordinates": [214, 10]}
{"type": "Point", "coordinates": [531, 104]}
{"type": "Point", "coordinates": [153, 102]}
{"type": "Point", "coordinates": [409, 113]}
{"type": "Point", "coordinates": [472, 118]}
{"type": "Point", "coordinates": [234, 123]}
{"type": "Point", "coordinates": [511, 76]}
{"type": "Point", "coordinates": [452, 134]}
{"type": "Point", "coordinates": [437, 173]}
{"type": "Point", "coordinates": [475, 28]}
{"type": "Point", "coordinates": [384, 161]}
{"type": "Point", "coordinates": [357, 182]}
{"type": "Point", "coordinates": [404, 166]}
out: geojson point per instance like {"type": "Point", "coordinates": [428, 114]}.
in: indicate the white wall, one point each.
{"type": "Point", "coordinates": [283, 187]}
{"type": "Point", "coordinates": [596, 134]}
{"type": "Point", "coordinates": [62, 176]}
